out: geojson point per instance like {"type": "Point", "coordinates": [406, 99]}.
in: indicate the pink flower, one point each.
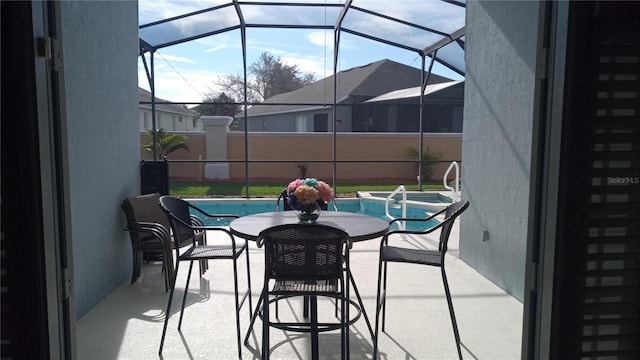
{"type": "Point", "coordinates": [294, 185]}
{"type": "Point", "coordinates": [324, 191]}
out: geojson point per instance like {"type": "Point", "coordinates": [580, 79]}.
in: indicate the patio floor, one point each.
{"type": "Point", "coordinates": [127, 324]}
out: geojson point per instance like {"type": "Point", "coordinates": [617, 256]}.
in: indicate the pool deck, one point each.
{"type": "Point", "coordinates": [127, 324]}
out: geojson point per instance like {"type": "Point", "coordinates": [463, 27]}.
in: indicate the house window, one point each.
{"type": "Point", "coordinates": [320, 122]}
{"type": "Point", "coordinates": [301, 123]}
{"type": "Point", "coordinates": [146, 120]}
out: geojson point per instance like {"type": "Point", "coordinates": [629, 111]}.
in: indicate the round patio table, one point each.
{"type": "Point", "coordinates": [359, 227]}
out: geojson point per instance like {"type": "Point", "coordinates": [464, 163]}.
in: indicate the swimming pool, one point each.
{"type": "Point", "coordinates": [368, 206]}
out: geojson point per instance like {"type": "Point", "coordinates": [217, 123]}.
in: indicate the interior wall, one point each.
{"type": "Point", "coordinates": [99, 70]}
{"type": "Point", "coordinates": [500, 58]}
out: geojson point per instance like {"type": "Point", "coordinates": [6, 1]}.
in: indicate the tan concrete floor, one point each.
{"type": "Point", "coordinates": [127, 324]}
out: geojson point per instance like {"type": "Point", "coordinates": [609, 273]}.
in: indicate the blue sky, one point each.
{"type": "Point", "coordinates": [186, 72]}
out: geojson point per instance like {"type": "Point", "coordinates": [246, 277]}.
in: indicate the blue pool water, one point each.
{"type": "Point", "coordinates": [356, 205]}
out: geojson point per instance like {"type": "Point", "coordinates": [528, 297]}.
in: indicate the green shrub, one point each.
{"type": "Point", "coordinates": [429, 163]}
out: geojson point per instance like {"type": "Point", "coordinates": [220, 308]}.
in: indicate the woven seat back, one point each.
{"type": "Point", "coordinates": [178, 212]}
{"type": "Point", "coordinates": [285, 203]}
{"type": "Point", "coordinates": [145, 208]}
{"type": "Point", "coordinates": [303, 252]}
{"type": "Point", "coordinates": [450, 215]}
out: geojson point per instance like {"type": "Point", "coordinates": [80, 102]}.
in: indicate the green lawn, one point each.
{"type": "Point", "coordinates": [212, 189]}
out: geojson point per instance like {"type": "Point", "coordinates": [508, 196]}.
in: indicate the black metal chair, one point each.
{"type": "Point", "coordinates": [406, 254]}
{"type": "Point", "coordinates": [149, 232]}
{"type": "Point", "coordinates": [305, 260]}
{"type": "Point", "coordinates": [286, 207]}
{"type": "Point", "coordinates": [185, 224]}
{"type": "Point", "coordinates": [285, 204]}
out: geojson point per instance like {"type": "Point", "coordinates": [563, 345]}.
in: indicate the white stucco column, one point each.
{"type": "Point", "coordinates": [216, 128]}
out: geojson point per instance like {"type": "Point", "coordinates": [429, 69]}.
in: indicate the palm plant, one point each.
{"type": "Point", "coordinates": [166, 143]}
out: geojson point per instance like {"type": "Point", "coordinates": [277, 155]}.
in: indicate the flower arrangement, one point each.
{"type": "Point", "coordinates": [308, 195]}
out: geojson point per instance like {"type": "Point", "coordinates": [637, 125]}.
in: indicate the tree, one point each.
{"type": "Point", "coordinates": [166, 143]}
{"type": "Point", "coordinates": [219, 104]}
{"type": "Point", "coordinates": [270, 76]}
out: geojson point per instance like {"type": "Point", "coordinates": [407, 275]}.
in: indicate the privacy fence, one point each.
{"type": "Point", "coordinates": [279, 157]}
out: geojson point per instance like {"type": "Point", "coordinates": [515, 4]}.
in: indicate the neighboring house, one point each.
{"type": "Point", "coordinates": [367, 101]}
{"type": "Point", "coordinates": [171, 117]}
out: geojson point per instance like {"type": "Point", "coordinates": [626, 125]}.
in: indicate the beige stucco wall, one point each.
{"type": "Point", "coordinates": [311, 147]}
{"type": "Point", "coordinates": [305, 147]}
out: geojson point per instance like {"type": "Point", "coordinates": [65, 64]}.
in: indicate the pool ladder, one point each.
{"type": "Point", "coordinates": [389, 201]}
{"type": "Point", "coordinates": [455, 191]}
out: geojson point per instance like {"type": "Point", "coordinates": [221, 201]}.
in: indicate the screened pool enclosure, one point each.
{"type": "Point", "coordinates": [426, 37]}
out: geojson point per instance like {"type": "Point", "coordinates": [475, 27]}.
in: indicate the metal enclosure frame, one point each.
{"type": "Point", "coordinates": [455, 39]}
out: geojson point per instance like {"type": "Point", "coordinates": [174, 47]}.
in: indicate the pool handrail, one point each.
{"type": "Point", "coordinates": [455, 194]}
{"type": "Point", "coordinates": [389, 199]}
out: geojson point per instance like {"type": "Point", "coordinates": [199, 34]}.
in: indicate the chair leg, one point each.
{"type": "Point", "coordinates": [249, 281]}
{"type": "Point", "coordinates": [184, 296]}
{"type": "Point", "coordinates": [265, 324]}
{"type": "Point", "coordinates": [167, 263]}
{"type": "Point", "coordinates": [345, 316]}
{"type": "Point", "coordinates": [453, 315]}
{"type": "Point", "coordinates": [305, 307]}
{"type": "Point", "coordinates": [203, 264]}
{"type": "Point", "coordinates": [165, 272]}
{"type": "Point", "coordinates": [384, 294]}
{"type": "Point", "coordinates": [379, 302]}
{"type": "Point", "coordinates": [313, 305]}
{"type": "Point", "coordinates": [343, 329]}
{"type": "Point", "coordinates": [237, 301]}
{"type": "Point", "coordinates": [253, 320]}
{"type": "Point", "coordinates": [168, 312]}
{"type": "Point", "coordinates": [134, 267]}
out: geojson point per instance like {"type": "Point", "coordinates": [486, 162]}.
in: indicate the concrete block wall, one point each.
{"type": "Point", "coordinates": [99, 71]}
{"type": "Point", "coordinates": [496, 147]}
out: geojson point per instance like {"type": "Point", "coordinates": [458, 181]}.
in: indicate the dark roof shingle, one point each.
{"type": "Point", "coordinates": [362, 82]}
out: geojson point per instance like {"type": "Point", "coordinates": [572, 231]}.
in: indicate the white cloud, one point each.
{"type": "Point", "coordinates": [169, 57]}
{"type": "Point", "coordinates": [216, 48]}
{"type": "Point", "coordinates": [218, 42]}
{"type": "Point", "coordinates": [321, 38]}
{"type": "Point", "coordinates": [314, 65]}
{"type": "Point", "coordinates": [188, 86]}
